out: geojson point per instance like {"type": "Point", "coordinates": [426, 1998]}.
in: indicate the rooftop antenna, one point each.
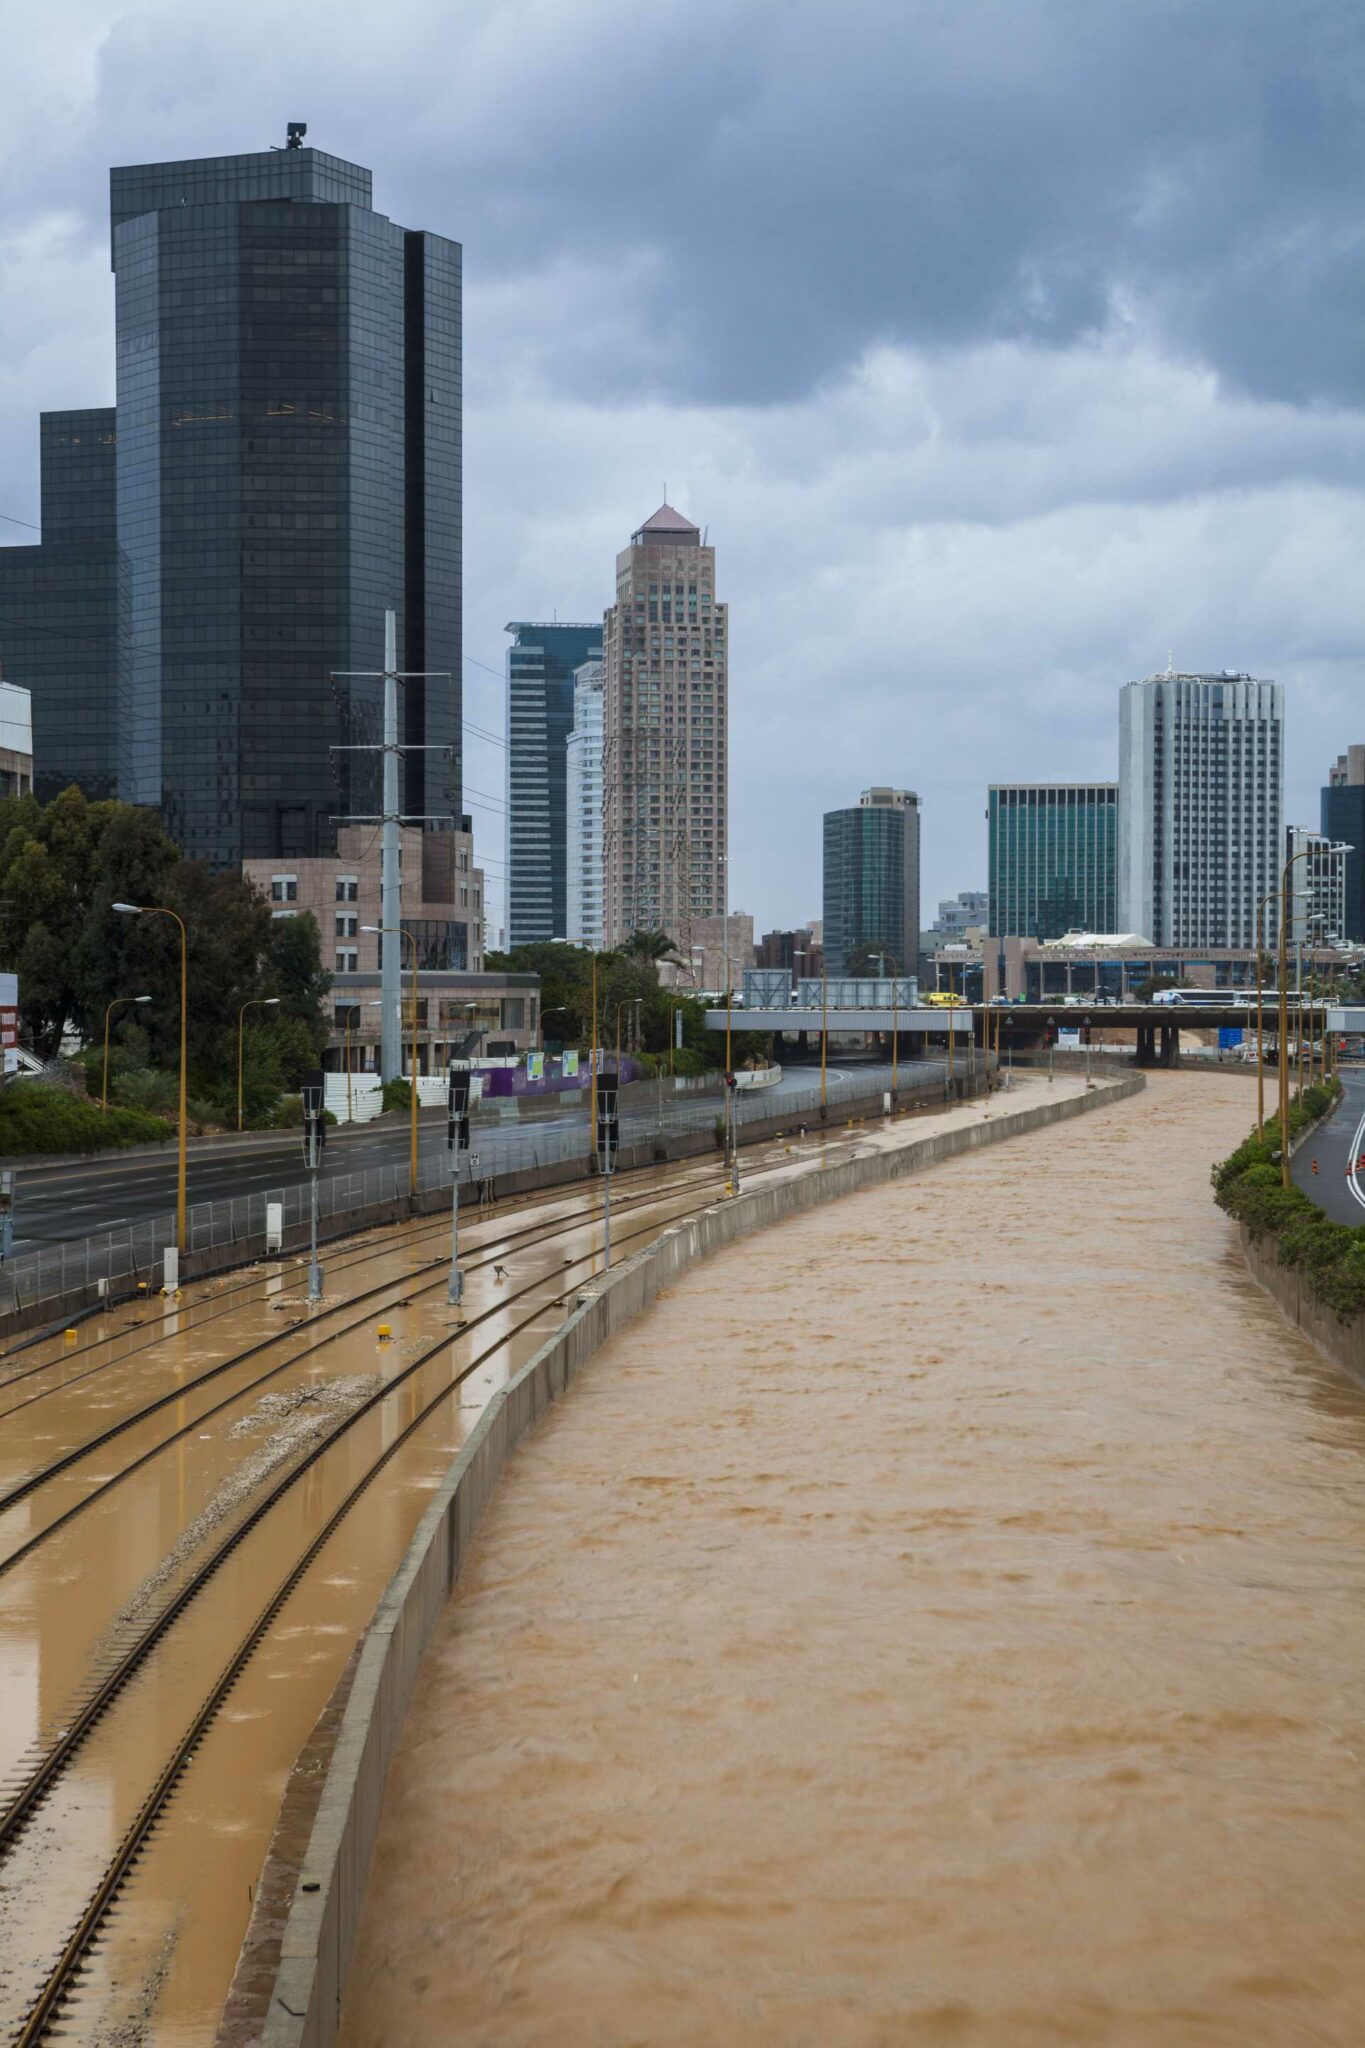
{"type": "Point", "coordinates": [296, 130]}
{"type": "Point", "coordinates": [1170, 661]}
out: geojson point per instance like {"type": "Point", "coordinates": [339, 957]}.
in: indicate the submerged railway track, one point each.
{"type": "Point", "coordinates": [42, 1803]}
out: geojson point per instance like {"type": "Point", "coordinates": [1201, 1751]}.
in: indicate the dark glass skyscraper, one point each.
{"type": "Point", "coordinates": [1343, 818]}
{"type": "Point", "coordinates": [288, 465]}
{"type": "Point", "coordinates": [540, 704]}
{"type": "Point", "coordinates": [64, 614]}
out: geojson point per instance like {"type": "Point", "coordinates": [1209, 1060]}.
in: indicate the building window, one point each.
{"type": "Point", "coordinates": [346, 958]}
{"type": "Point", "coordinates": [284, 888]}
{"type": "Point", "coordinates": [348, 888]}
{"type": "Point", "coordinates": [346, 926]}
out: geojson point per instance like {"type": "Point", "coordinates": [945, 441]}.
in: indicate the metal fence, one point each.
{"type": "Point", "coordinates": [135, 1252]}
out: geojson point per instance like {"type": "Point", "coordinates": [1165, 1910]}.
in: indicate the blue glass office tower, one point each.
{"type": "Point", "coordinates": [540, 710]}
{"type": "Point", "coordinates": [1052, 858]}
{"type": "Point", "coordinates": [288, 454]}
{"type": "Point", "coordinates": [64, 613]}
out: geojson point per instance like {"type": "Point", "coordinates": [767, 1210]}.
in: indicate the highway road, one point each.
{"type": "Point", "coordinates": [55, 1204]}
{"type": "Point", "coordinates": [1335, 1145]}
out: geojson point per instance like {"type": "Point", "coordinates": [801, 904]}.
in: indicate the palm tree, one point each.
{"type": "Point", "coordinates": [654, 946]}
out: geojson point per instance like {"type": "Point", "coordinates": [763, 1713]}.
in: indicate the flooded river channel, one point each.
{"type": "Point", "coordinates": [939, 1621]}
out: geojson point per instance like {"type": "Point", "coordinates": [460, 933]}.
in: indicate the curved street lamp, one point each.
{"type": "Point", "coordinates": [160, 910]}
{"type": "Point", "coordinates": [116, 1004]}
{"type": "Point", "coordinates": [256, 1003]}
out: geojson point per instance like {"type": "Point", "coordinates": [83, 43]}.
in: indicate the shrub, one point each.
{"type": "Point", "coordinates": [397, 1095]}
{"type": "Point", "coordinates": [288, 1114]}
{"type": "Point", "coordinates": [1247, 1185]}
{"type": "Point", "coordinates": [37, 1118]}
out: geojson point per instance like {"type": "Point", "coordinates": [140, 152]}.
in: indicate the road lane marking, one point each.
{"type": "Point", "coordinates": [1352, 1173]}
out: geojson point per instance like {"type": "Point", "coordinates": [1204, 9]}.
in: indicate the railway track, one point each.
{"type": "Point", "coordinates": [26, 1804]}
{"type": "Point", "coordinates": [396, 1288]}
{"type": "Point", "coordinates": [196, 1316]}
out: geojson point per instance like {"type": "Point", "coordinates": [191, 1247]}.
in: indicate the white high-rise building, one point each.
{"type": "Point", "coordinates": [1317, 886]}
{"type": "Point", "coordinates": [1201, 803]}
{"type": "Point", "coordinates": [583, 813]}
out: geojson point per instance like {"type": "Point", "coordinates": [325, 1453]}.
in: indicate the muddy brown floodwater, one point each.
{"type": "Point", "coordinates": [940, 1620]}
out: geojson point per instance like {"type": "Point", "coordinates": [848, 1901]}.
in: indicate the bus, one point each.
{"type": "Point", "coordinates": [1220, 998]}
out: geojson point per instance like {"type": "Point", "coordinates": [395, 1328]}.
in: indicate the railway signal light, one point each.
{"type": "Point", "coordinates": [459, 1086]}
{"type": "Point", "coordinates": [608, 1123]}
{"type": "Point", "coordinates": [608, 1144]}
{"type": "Point", "coordinates": [314, 1092]}
{"type": "Point", "coordinates": [314, 1119]}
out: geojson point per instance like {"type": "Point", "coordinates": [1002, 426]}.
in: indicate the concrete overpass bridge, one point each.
{"type": "Point", "coordinates": [1023, 1026]}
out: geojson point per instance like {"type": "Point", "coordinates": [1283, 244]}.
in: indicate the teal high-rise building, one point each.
{"type": "Point", "coordinates": [871, 899]}
{"type": "Point", "coordinates": [1053, 848]}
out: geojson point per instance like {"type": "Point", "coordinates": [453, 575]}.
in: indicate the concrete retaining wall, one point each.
{"type": "Point", "coordinates": [320, 1933]}
{"type": "Point", "coordinates": [1342, 1342]}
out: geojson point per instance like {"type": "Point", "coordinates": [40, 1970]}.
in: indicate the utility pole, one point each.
{"type": "Point", "coordinates": [390, 884]}
{"type": "Point", "coordinates": [390, 818]}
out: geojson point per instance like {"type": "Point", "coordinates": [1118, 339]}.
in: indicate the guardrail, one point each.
{"type": "Point", "coordinates": [122, 1258]}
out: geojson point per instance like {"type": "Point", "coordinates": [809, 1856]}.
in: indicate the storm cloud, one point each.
{"type": "Point", "coordinates": [1005, 348]}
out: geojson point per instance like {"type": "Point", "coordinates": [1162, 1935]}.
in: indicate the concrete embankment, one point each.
{"type": "Point", "coordinates": [320, 1932]}
{"type": "Point", "coordinates": [1341, 1339]}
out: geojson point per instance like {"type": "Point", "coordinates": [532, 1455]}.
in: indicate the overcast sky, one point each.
{"type": "Point", "coordinates": [1006, 347]}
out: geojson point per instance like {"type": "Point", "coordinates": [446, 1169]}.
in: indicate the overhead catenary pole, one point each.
{"type": "Point", "coordinates": [391, 916]}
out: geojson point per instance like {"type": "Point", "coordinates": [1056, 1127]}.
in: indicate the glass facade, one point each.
{"type": "Point", "coordinates": [540, 715]}
{"type": "Point", "coordinates": [871, 886]}
{"type": "Point", "coordinates": [64, 614]}
{"type": "Point", "coordinates": [1343, 819]}
{"type": "Point", "coordinates": [1052, 854]}
{"type": "Point", "coordinates": [287, 464]}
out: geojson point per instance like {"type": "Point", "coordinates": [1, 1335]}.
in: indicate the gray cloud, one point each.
{"type": "Point", "coordinates": [1005, 344]}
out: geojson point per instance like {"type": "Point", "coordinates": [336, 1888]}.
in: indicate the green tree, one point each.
{"type": "Point", "coordinates": [292, 969]}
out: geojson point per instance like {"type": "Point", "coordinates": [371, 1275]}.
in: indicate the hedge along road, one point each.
{"type": "Point", "coordinates": [1335, 1145]}
{"type": "Point", "coordinates": [938, 1620]}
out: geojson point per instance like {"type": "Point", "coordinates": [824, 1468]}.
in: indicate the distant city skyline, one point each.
{"type": "Point", "coordinates": [1044, 432]}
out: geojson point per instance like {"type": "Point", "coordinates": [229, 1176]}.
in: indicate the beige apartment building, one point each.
{"type": "Point", "coordinates": [664, 766]}
{"type": "Point", "coordinates": [442, 905]}
{"type": "Point", "coordinates": [719, 945]}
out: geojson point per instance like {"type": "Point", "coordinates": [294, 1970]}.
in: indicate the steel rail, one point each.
{"type": "Point", "coordinates": [398, 1286]}
{"type": "Point", "coordinates": [61, 1977]}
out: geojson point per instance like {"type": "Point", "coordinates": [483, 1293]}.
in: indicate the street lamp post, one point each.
{"type": "Point", "coordinates": [895, 1018]}
{"type": "Point", "coordinates": [160, 910]}
{"type": "Point", "coordinates": [117, 1002]}
{"type": "Point", "coordinates": [256, 1003]}
{"type": "Point", "coordinates": [1260, 1028]}
{"type": "Point", "coordinates": [381, 931]}
{"type": "Point", "coordinates": [1283, 1062]}
{"type": "Point", "coordinates": [592, 1066]}
{"type": "Point", "coordinates": [824, 1037]}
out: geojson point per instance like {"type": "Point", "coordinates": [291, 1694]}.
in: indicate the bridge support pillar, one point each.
{"type": "Point", "coordinates": [1145, 1054]}
{"type": "Point", "coordinates": [1170, 1045]}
